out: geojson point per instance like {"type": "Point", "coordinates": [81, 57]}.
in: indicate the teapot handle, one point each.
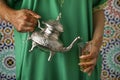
{"type": "Point", "coordinates": [38, 22]}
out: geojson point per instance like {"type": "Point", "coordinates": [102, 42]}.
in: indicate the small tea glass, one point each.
{"type": "Point", "coordinates": [84, 49]}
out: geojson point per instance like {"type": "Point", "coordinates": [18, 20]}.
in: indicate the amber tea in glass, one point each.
{"type": "Point", "coordinates": [84, 49]}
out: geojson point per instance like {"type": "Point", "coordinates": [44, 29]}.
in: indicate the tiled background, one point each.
{"type": "Point", "coordinates": [111, 45]}
{"type": "Point", "coordinates": [110, 49]}
{"type": "Point", "coordinates": [7, 57]}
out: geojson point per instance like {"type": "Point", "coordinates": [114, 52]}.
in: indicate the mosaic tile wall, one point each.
{"type": "Point", "coordinates": [111, 44]}
{"type": "Point", "coordinates": [7, 57]}
{"type": "Point", "coordinates": [110, 49]}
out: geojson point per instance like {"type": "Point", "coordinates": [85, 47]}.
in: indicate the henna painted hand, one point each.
{"type": "Point", "coordinates": [89, 60]}
{"type": "Point", "coordinates": [24, 20]}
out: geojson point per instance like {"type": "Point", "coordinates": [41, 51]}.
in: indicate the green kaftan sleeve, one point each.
{"type": "Point", "coordinates": [100, 5]}
{"type": "Point", "coordinates": [10, 3]}
{"type": "Point", "coordinates": [13, 3]}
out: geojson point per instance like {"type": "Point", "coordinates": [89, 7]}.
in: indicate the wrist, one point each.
{"type": "Point", "coordinates": [6, 12]}
{"type": "Point", "coordinates": [97, 41]}
{"type": "Point", "coordinates": [9, 14]}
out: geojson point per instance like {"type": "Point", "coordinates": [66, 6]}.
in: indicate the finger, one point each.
{"type": "Point", "coordinates": [88, 69]}
{"type": "Point", "coordinates": [81, 67]}
{"type": "Point", "coordinates": [34, 21]}
{"type": "Point", "coordinates": [28, 29]}
{"type": "Point", "coordinates": [90, 72]}
{"type": "Point", "coordinates": [82, 56]}
{"type": "Point", "coordinates": [88, 56]}
{"type": "Point", "coordinates": [34, 14]}
{"type": "Point", "coordinates": [26, 18]}
{"type": "Point", "coordinates": [29, 24]}
{"type": "Point", "coordinates": [89, 62]}
{"type": "Point", "coordinates": [31, 18]}
{"type": "Point", "coordinates": [86, 63]}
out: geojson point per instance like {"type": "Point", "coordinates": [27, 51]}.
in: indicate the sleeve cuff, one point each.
{"type": "Point", "coordinates": [100, 7]}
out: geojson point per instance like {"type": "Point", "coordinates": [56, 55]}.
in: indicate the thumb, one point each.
{"type": "Point", "coordinates": [34, 14]}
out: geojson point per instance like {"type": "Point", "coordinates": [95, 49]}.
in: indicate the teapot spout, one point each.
{"type": "Point", "coordinates": [71, 45]}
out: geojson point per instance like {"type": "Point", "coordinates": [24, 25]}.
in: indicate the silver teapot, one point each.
{"type": "Point", "coordinates": [47, 38]}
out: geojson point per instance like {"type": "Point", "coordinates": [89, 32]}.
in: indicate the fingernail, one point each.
{"type": "Point", "coordinates": [81, 56]}
{"type": "Point", "coordinates": [37, 16]}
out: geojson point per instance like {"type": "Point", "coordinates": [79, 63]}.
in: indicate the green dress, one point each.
{"type": "Point", "coordinates": [76, 20]}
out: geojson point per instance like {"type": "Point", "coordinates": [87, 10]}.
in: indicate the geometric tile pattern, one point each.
{"type": "Point", "coordinates": [110, 49]}
{"type": "Point", "coordinates": [7, 57]}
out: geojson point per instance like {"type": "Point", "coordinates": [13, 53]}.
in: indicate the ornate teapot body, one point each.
{"type": "Point", "coordinates": [47, 37]}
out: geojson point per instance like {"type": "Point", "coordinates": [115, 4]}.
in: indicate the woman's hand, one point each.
{"type": "Point", "coordinates": [89, 60]}
{"type": "Point", "coordinates": [98, 25]}
{"type": "Point", "coordinates": [23, 20]}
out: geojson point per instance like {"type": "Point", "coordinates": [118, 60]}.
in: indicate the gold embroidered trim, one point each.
{"type": "Point", "coordinates": [100, 7]}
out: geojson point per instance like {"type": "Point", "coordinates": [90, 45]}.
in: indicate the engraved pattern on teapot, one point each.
{"type": "Point", "coordinates": [47, 38]}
